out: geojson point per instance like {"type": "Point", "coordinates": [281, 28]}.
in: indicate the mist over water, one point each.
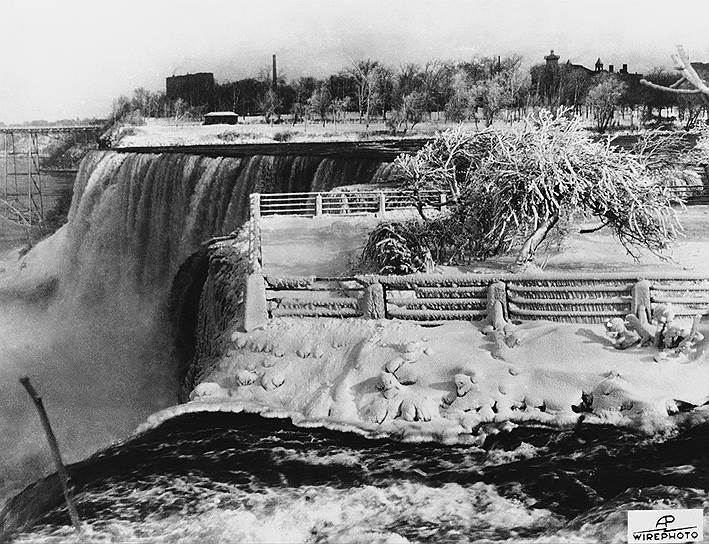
{"type": "Point", "coordinates": [99, 378]}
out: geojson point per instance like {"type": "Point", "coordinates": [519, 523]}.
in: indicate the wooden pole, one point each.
{"type": "Point", "coordinates": [29, 183]}
{"type": "Point", "coordinates": [61, 469]}
{"type": "Point", "coordinates": [6, 158]}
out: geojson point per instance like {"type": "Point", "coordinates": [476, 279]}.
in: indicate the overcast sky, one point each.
{"type": "Point", "coordinates": [71, 58]}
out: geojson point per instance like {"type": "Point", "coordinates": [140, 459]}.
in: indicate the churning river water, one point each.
{"type": "Point", "coordinates": [217, 477]}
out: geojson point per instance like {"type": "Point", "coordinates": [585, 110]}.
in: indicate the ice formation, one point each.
{"type": "Point", "coordinates": [387, 377]}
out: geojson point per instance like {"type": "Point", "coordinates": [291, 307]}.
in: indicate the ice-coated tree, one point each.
{"type": "Point", "coordinates": [508, 190]}
{"type": "Point", "coordinates": [411, 112]}
{"type": "Point", "coordinates": [604, 98]}
{"type": "Point", "coordinates": [689, 82]}
{"type": "Point", "coordinates": [320, 103]}
{"type": "Point", "coordinates": [364, 72]}
{"type": "Point", "coordinates": [339, 107]}
{"type": "Point", "coordinates": [691, 90]}
{"type": "Point", "coordinates": [489, 96]}
{"type": "Point", "coordinates": [270, 105]}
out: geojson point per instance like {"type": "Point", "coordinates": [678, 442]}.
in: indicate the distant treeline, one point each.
{"type": "Point", "coordinates": [478, 90]}
{"type": "Point", "coordinates": [58, 123]}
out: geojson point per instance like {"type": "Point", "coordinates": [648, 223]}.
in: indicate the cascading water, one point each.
{"type": "Point", "coordinates": [136, 217]}
{"type": "Point", "coordinates": [100, 350]}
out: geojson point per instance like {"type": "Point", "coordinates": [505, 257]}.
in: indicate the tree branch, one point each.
{"type": "Point", "coordinates": [669, 89]}
{"type": "Point", "coordinates": [594, 229]}
{"type": "Point", "coordinates": [689, 75]}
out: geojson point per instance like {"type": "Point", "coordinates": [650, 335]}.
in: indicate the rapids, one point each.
{"type": "Point", "coordinates": [215, 477]}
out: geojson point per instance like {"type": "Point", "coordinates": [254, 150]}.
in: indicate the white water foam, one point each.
{"type": "Point", "coordinates": [322, 514]}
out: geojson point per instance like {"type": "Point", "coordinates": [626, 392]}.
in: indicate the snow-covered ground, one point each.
{"type": "Point", "coordinates": [441, 383]}
{"type": "Point", "coordinates": [164, 132]}
{"type": "Point", "coordinates": [328, 245]}
{"type": "Point", "coordinates": [254, 130]}
{"type": "Point", "coordinates": [446, 383]}
{"type": "Point", "coordinates": [331, 245]}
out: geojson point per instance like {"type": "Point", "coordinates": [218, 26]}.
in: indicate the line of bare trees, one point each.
{"type": "Point", "coordinates": [479, 90]}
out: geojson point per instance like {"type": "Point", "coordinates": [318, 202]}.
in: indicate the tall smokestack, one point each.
{"type": "Point", "coordinates": [275, 74]}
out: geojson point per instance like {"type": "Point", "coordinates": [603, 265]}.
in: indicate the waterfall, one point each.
{"type": "Point", "coordinates": [136, 217]}
{"type": "Point", "coordinates": [100, 346]}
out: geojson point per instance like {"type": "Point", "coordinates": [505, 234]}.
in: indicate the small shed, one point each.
{"type": "Point", "coordinates": [221, 118]}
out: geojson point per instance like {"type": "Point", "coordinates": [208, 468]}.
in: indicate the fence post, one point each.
{"type": "Point", "coordinates": [318, 204]}
{"type": "Point", "coordinates": [255, 304]}
{"type": "Point", "coordinates": [255, 205]}
{"type": "Point", "coordinates": [497, 305]}
{"type": "Point", "coordinates": [372, 302]}
{"type": "Point", "coordinates": [382, 203]}
{"type": "Point", "coordinates": [254, 225]}
{"type": "Point", "coordinates": [642, 305]}
{"type": "Point", "coordinates": [444, 200]}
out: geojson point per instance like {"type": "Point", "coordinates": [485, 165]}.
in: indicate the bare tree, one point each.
{"type": "Point", "coordinates": [364, 71]}
{"type": "Point", "coordinates": [437, 83]}
{"type": "Point", "coordinates": [605, 98]}
{"type": "Point", "coordinates": [320, 102]}
{"type": "Point", "coordinates": [382, 89]}
{"type": "Point", "coordinates": [408, 78]}
{"type": "Point", "coordinates": [688, 76]}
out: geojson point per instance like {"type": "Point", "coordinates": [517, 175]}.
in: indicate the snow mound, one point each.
{"type": "Point", "coordinates": [399, 379]}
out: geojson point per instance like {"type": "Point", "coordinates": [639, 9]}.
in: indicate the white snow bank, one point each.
{"type": "Point", "coordinates": [450, 384]}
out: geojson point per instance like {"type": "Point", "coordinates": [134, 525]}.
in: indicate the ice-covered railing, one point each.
{"type": "Point", "coordinates": [254, 233]}
{"type": "Point", "coordinates": [342, 202]}
{"type": "Point", "coordinates": [337, 202]}
{"type": "Point", "coordinates": [566, 297]}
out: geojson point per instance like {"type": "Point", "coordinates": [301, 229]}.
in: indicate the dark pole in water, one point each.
{"type": "Point", "coordinates": [61, 469]}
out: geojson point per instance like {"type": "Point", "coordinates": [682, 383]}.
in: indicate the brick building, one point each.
{"type": "Point", "coordinates": [195, 89]}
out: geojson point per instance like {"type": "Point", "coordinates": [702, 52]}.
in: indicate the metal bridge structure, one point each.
{"type": "Point", "coordinates": [22, 174]}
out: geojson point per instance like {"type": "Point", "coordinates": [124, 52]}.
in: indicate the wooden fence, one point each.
{"type": "Point", "coordinates": [341, 202]}
{"type": "Point", "coordinates": [433, 298]}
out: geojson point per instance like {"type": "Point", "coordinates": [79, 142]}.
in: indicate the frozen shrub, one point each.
{"type": "Point", "coordinates": [283, 136]}
{"type": "Point", "coordinates": [395, 248]}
